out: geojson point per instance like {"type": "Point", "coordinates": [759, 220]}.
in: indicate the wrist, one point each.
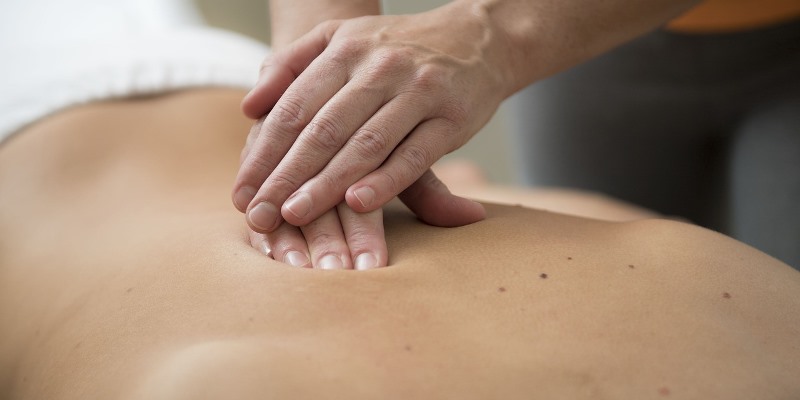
{"type": "Point", "coordinates": [486, 39]}
{"type": "Point", "coordinates": [533, 39]}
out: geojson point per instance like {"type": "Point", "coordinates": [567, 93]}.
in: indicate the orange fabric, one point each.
{"type": "Point", "coordinates": [735, 15]}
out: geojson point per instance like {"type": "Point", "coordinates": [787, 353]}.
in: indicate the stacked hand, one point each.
{"type": "Point", "coordinates": [358, 110]}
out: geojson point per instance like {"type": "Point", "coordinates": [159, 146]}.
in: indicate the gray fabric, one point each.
{"type": "Point", "coordinates": [706, 127]}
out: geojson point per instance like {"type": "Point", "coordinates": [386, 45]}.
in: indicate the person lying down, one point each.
{"type": "Point", "coordinates": [125, 273]}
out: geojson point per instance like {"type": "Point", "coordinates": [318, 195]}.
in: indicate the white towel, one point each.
{"type": "Point", "coordinates": [56, 53]}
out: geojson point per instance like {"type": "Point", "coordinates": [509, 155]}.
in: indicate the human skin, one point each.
{"type": "Point", "coordinates": [359, 109]}
{"type": "Point", "coordinates": [366, 245]}
{"type": "Point", "coordinates": [125, 274]}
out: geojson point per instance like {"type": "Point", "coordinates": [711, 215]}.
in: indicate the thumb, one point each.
{"type": "Point", "coordinates": [433, 203]}
{"type": "Point", "coordinates": [280, 69]}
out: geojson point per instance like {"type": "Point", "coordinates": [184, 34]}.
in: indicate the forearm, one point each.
{"type": "Point", "coordinates": [537, 38]}
{"type": "Point", "coordinates": [291, 19]}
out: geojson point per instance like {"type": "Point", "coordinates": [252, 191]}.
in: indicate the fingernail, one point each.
{"type": "Point", "coordinates": [331, 262]}
{"type": "Point", "coordinates": [299, 205]}
{"type": "Point", "coordinates": [264, 216]}
{"type": "Point", "coordinates": [366, 261]}
{"type": "Point", "coordinates": [296, 259]}
{"type": "Point", "coordinates": [243, 196]}
{"type": "Point", "coordinates": [365, 195]}
{"type": "Point", "coordinates": [265, 248]}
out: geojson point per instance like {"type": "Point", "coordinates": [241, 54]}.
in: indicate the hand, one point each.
{"type": "Point", "coordinates": [339, 239]}
{"type": "Point", "coordinates": [359, 109]}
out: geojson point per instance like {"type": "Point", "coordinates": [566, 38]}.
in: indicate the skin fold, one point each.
{"type": "Point", "coordinates": [126, 274]}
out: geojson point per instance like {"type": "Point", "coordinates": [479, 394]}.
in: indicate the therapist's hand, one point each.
{"type": "Point", "coordinates": [344, 239]}
{"type": "Point", "coordinates": [339, 239]}
{"type": "Point", "coordinates": [359, 109]}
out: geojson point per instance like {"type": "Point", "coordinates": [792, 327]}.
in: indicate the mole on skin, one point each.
{"type": "Point", "coordinates": [543, 276]}
{"type": "Point", "coordinates": [501, 289]}
{"type": "Point", "coordinates": [726, 295]}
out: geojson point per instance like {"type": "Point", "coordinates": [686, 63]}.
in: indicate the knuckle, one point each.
{"type": "Point", "coordinates": [388, 61]}
{"type": "Point", "coordinates": [392, 182]}
{"type": "Point", "coordinates": [418, 158]}
{"type": "Point", "coordinates": [324, 242]}
{"type": "Point", "coordinates": [430, 78]}
{"type": "Point", "coordinates": [256, 166]}
{"type": "Point", "coordinates": [266, 63]}
{"type": "Point", "coordinates": [321, 239]}
{"type": "Point", "coordinates": [283, 182]}
{"type": "Point", "coordinates": [255, 132]}
{"type": "Point", "coordinates": [324, 133]}
{"type": "Point", "coordinates": [385, 66]}
{"type": "Point", "coordinates": [329, 184]}
{"type": "Point", "coordinates": [289, 115]}
{"type": "Point", "coordinates": [362, 237]}
{"type": "Point", "coordinates": [372, 142]}
{"type": "Point", "coordinates": [346, 50]}
{"type": "Point", "coordinates": [455, 114]}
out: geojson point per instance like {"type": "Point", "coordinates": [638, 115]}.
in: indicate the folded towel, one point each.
{"type": "Point", "coordinates": [61, 53]}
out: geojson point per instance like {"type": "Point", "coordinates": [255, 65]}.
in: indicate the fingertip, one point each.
{"type": "Point", "coordinates": [365, 261]}
{"type": "Point", "coordinates": [248, 107]}
{"type": "Point", "coordinates": [298, 209]}
{"type": "Point", "coordinates": [263, 217]}
{"type": "Point", "coordinates": [365, 237]}
{"type": "Point", "coordinates": [252, 104]}
{"type": "Point", "coordinates": [297, 259]}
{"type": "Point", "coordinates": [452, 212]}
{"type": "Point", "coordinates": [473, 211]}
{"type": "Point", "coordinates": [362, 199]}
{"type": "Point", "coordinates": [433, 203]}
{"type": "Point", "coordinates": [333, 261]}
{"type": "Point", "coordinates": [242, 197]}
{"type": "Point", "coordinates": [365, 196]}
{"type": "Point", "coordinates": [260, 243]}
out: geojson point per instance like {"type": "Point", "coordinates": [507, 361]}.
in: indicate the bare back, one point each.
{"type": "Point", "coordinates": [126, 273]}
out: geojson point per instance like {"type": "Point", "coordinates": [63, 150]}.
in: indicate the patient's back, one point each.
{"type": "Point", "coordinates": [156, 294]}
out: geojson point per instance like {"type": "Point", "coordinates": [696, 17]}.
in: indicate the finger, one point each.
{"type": "Point", "coordinates": [365, 237]}
{"type": "Point", "coordinates": [327, 243]}
{"type": "Point", "coordinates": [279, 70]}
{"type": "Point", "coordinates": [359, 155]}
{"type": "Point", "coordinates": [433, 203]}
{"type": "Point", "coordinates": [251, 138]}
{"type": "Point", "coordinates": [289, 246]}
{"type": "Point", "coordinates": [267, 91]}
{"type": "Point", "coordinates": [243, 194]}
{"type": "Point", "coordinates": [280, 129]}
{"type": "Point", "coordinates": [282, 126]}
{"type": "Point", "coordinates": [424, 145]}
{"type": "Point", "coordinates": [259, 242]}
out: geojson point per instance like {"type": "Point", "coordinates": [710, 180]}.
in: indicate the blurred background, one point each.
{"type": "Point", "coordinates": [490, 148]}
